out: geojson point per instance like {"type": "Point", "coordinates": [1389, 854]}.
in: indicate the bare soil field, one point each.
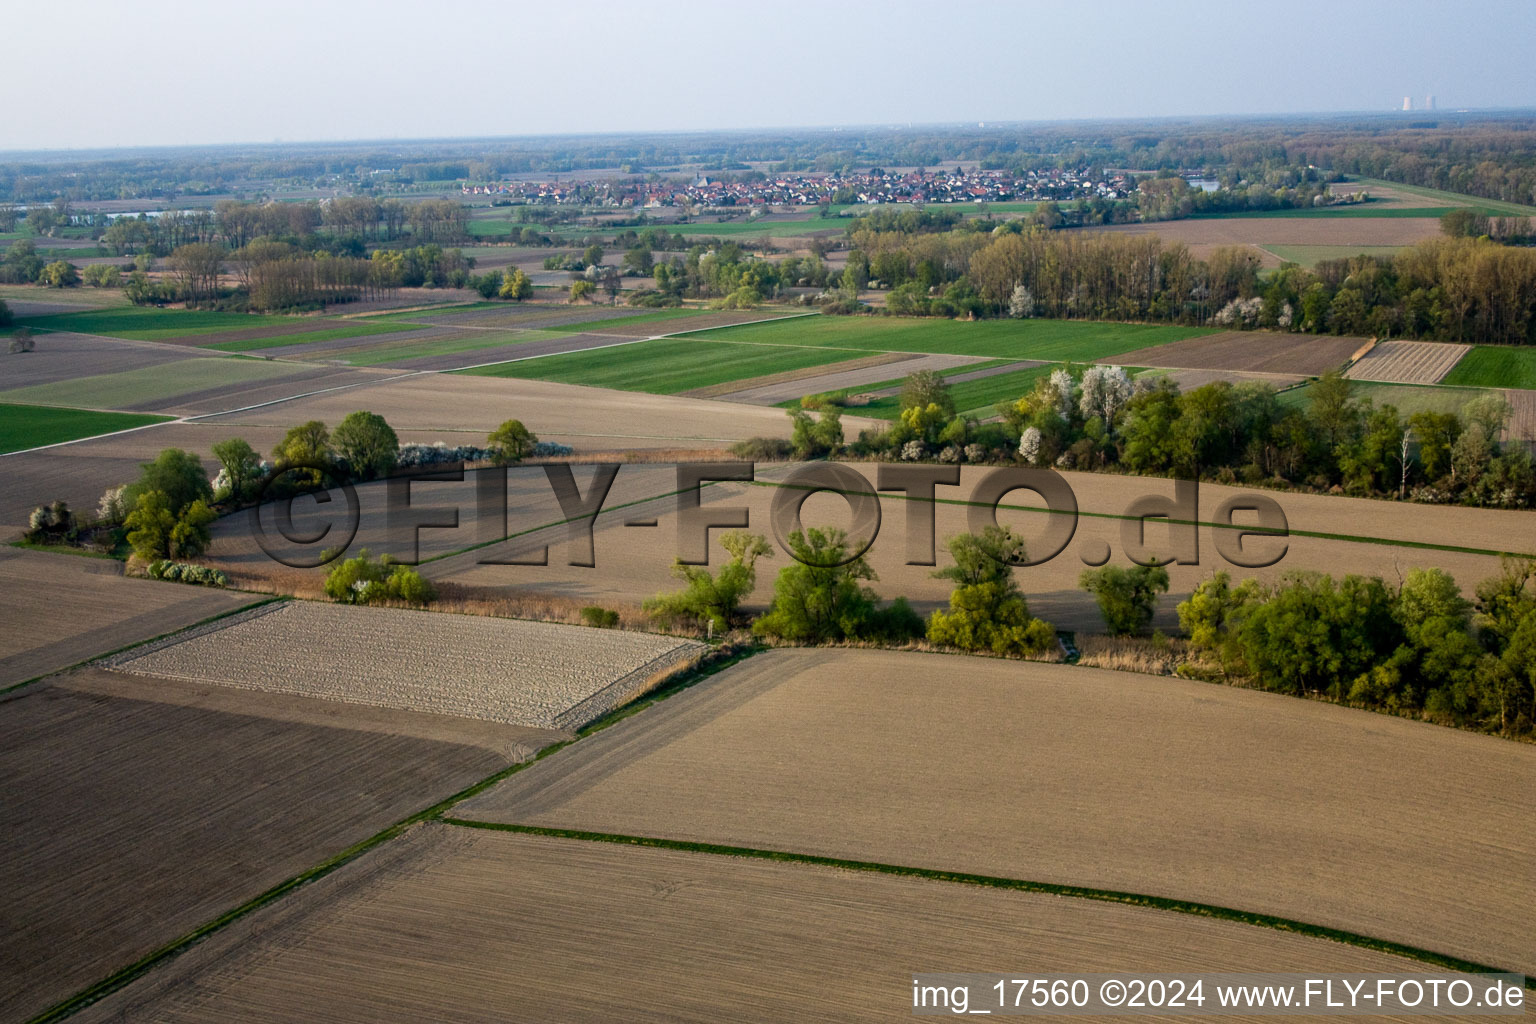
{"type": "Point", "coordinates": [632, 564]}
{"type": "Point", "coordinates": [1522, 424]}
{"type": "Point", "coordinates": [1080, 776]}
{"type": "Point", "coordinates": [1384, 194]}
{"type": "Point", "coordinates": [815, 380]}
{"type": "Point", "coordinates": [588, 418]}
{"type": "Point", "coordinates": [1256, 351]}
{"type": "Point", "coordinates": [60, 609]}
{"type": "Point", "coordinates": [1204, 235]}
{"type": "Point", "coordinates": [537, 674]}
{"type": "Point", "coordinates": [137, 810]}
{"type": "Point", "coordinates": [1408, 362]}
{"type": "Point", "coordinates": [602, 932]}
{"type": "Point", "coordinates": [308, 380]}
{"type": "Point", "coordinates": [62, 357]}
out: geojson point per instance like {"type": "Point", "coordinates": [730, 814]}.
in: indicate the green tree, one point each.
{"type": "Point", "coordinates": [924, 388]}
{"type": "Point", "coordinates": [581, 290]}
{"type": "Point", "coordinates": [711, 599]}
{"type": "Point", "coordinates": [156, 531]}
{"type": "Point", "coordinates": [307, 445]}
{"type": "Point", "coordinates": [177, 475]}
{"type": "Point", "coordinates": [368, 443]}
{"type": "Point", "coordinates": [1126, 597]}
{"type": "Point", "coordinates": [813, 438]}
{"type": "Point", "coordinates": [5, 314]}
{"type": "Point", "coordinates": [593, 255]}
{"type": "Point", "coordinates": [820, 596]}
{"type": "Point", "coordinates": [1331, 408]}
{"type": "Point", "coordinates": [242, 466]}
{"type": "Point", "coordinates": [986, 609]}
{"type": "Point", "coordinates": [1211, 616]}
{"type": "Point", "coordinates": [511, 442]}
{"type": "Point", "coordinates": [59, 274]}
{"type": "Point", "coordinates": [102, 275]}
{"type": "Point", "coordinates": [515, 286]}
{"type": "Point", "coordinates": [1316, 636]}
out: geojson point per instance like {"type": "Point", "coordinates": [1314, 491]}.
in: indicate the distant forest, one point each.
{"type": "Point", "coordinates": [1486, 154]}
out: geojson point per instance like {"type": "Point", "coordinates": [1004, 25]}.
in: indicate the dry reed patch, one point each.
{"type": "Point", "coordinates": [1162, 786]}
{"type": "Point", "coordinates": [605, 932]}
{"type": "Point", "coordinates": [538, 674]}
{"type": "Point", "coordinates": [137, 810]}
{"type": "Point", "coordinates": [1157, 656]}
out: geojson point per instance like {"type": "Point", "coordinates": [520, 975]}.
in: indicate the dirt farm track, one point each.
{"type": "Point", "coordinates": [1076, 776]}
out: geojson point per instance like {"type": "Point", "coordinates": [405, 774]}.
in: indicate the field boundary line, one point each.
{"type": "Point", "coordinates": [1190, 907]}
{"type": "Point", "coordinates": [690, 677]}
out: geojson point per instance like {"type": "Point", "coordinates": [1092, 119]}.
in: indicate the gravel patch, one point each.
{"type": "Point", "coordinates": [539, 674]}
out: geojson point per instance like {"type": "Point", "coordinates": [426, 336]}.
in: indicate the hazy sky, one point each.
{"type": "Point", "coordinates": [172, 73]}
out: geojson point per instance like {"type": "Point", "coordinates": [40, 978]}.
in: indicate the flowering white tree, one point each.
{"type": "Point", "coordinates": [1029, 445]}
{"type": "Point", "coordinates": [1106, 389]}
{"type": "Point", "coordinates": [1062, 384]}
{"type": "Point", "coordinates": [1287, 317]}
{"type": "Point", "coordinates": [1022, 303]}
{"type": "Point", "coordinates": [1240, 312]}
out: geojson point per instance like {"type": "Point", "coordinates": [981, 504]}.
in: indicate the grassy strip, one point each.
{"type": "Point", "coordinates": [62, 549]}
{"type": "Point", "coordinates": [139, 643]}
{"type": "Point", "coordinates": [1133, 899]}
{"type": "Point", "coordinates": [175, 947]}
{"type": "Point", "coordinates": [1253, 529]}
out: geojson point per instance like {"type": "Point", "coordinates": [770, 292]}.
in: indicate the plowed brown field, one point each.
{"type": "Point", "coordinates": [1381, 826]}
{"type": "Point", "coordinates": [137, 810]}
{"type": "Point", "coordinates": [495, 926]}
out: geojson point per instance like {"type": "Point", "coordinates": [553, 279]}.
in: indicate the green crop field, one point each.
{"type": "Point", "coordinates": [469, 341]}
{"type": "Point", "coordinates": [1495, 207]}
{"type": "Point", "coordinates": [972, 397]}
{"type": "Point", "coordinates": [1051, 340]}
{"type": "Point", "coordinates": [151, 383]}
{"type": "Point", "coordinates": [32, 426]}
{"type": "Point", "coordinates": [667, 366]}
{"type": "Point", "coordinates": [780, 228]}
{"type": "Point", "coordinates": [654, 316]}
{"type": "Point", "coordinates": [149, 323]}
{"type": "Point", "coordinates": [1408, 399]}
{"type": "Point", "coordinates": [1495, 366]}
{"type": "Point", "coordinates": [1311, 255]}
{"type": "Point", "coordinates": [337, 333]}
